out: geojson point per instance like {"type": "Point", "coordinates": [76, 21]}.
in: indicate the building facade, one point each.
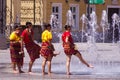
{"type": "Point", "coordinates": [39, 11]}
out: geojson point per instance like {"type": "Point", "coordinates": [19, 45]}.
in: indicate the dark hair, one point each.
{"type": "Point", "coordinates": [28, 24]}
{"type": "Point", "coordinates": [67, 26]}
{"type": "Point", "coordinates": [46, 26]}
{"type": "Point", "coordinates": [17, 27]}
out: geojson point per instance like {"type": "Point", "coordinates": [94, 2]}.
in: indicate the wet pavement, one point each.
{"type": "Point", "coordinates": [103, 70]}
{"type": "Point", "coordinates": [85, 74]}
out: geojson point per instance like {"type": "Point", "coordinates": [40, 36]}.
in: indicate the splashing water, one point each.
{"type": "Point", "coordinates": [70, 20]}
{"type": "Point", "coordinates": [54, 22]}
{"type": "Point", "coordinates": [101, 54]}
{"type": "Point", "coordinates": [84, 20]}
{"type": "Point", "coordinates": [104, 23]}
{"type": "Point", "coordinates": [116, 20]}
{"type": "Point", "coordinates": [92, 48]}
{"type": "Point", "coordinates": [93, 26]}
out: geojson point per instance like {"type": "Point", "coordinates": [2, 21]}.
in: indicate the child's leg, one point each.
{"type": "Point", "coordinates": [49, 64]}
{"type": "Point", "coordinates": [68, 64]}
{"type": "Point", "coordinates": [30, 66]}
{"type": "Point", "coordinates": [49, 67]}
{"type": "Point", "coordinates": [82, 60]}
{"type": "Point", "coordinates": [19, 68]}
{"type": "Point", "coordinates": [43, 65]}
{"type": "Point", "coordinates": [14, 66]}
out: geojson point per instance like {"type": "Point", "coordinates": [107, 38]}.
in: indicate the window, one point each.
{"type": "Point", "coordinates": [75, 11]}
{"type": "Point", "coordinates": [57, 12]}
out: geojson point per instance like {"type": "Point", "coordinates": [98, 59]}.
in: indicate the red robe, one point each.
{"type": "Point", "coordinates": [69, 47]}
{"type": "Point", "coordinates": [32, 48]}
{"type": "Point", "coordinates": [16, 57]}
{"type": "Point", "coordinates": [47, 49]}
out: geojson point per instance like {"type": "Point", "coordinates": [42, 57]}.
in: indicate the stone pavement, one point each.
{"type": "Point", "coordinates": [103, 70]}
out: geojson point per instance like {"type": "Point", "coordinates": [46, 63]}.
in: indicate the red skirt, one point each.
{"type": "Point", "coordinates": [47, 50]}
{"type": "Point", "coordinates": [16, 57]}
{"type": "Point", "coordinates": [33, 50]}
{"type": "Point", "coordinates": [69, 49]}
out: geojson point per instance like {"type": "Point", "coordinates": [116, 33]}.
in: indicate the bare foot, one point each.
{"type": "Point", "coordinates": [68, 73]}
{"type": "Point", "coordinates": [15, 71]}
{"type": "Point", "coordinates": [21, 72]}
{"type": "Point", "coordinates": [49, 73]}
{"type": "Point", "coordinates": [90, 66]}
{"type": "Point", "coordinates": [56, 54]}
{"type": "Point", "coordinates": [43, 73]}
{"type": "Point", "coordinates": [30, 72]}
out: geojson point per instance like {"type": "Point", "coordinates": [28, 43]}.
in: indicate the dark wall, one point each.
{"type": "Point", "coordinates": [2, 16]}
{"type": "Point", "coordinates": [37, 33]}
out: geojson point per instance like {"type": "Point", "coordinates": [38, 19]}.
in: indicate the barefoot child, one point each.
{"type": "Point", "coordinates": [69, 49]}
{"type": "Point", "coordinates": [16, 50]}
{"type": "Point", "coordinates": [32, 48]}
{"type": "Point", "coordinates": [47, 48]}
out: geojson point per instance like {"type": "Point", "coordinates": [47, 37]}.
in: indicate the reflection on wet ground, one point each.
{"type": "Point", "coordinates": [79, 71]}
{"type": "Point", "coordinates": [105, 59]}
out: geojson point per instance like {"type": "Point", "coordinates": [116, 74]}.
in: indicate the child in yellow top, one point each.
{"type": "Point", "coordinates": [46, 36]}
{"type": "Point", "coordinates": [15, 50]}
{"type": "Point", "coordinates": [14, 36]}
{"type": "Point", "coordinates": [47, 49]}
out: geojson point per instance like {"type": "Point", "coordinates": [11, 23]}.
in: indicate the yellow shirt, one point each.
{"type": "Point", "coordinates": [46, 36]}
{"type": "Point", "coordinates": [14, 37]}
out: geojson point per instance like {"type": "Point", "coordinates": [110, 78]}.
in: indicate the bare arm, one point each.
{"type": "Point", "coordinates": [21, 44]}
